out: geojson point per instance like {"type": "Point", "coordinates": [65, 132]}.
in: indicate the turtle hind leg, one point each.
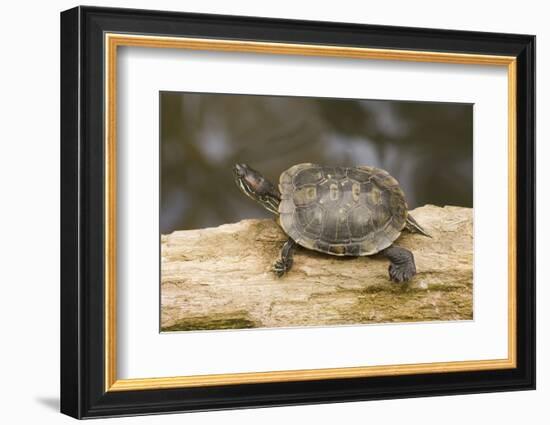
{"type": "Point", "coordinates": [402, 267]}
{"type": "Point", "coordinates": [284, 264]}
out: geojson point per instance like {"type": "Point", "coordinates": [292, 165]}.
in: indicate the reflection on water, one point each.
{"type": "Point", "coordinates": [426, 146]}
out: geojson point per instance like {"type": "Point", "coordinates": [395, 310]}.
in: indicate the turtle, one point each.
{"type": "Point", "coordinates": [343, 211]}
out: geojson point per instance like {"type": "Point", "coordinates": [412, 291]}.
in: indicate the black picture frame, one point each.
{"type": "Point", "coordinates": [83, 392]}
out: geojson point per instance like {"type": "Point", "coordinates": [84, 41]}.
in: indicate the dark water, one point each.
{"type": "Point", "coordinates": [426, 146]}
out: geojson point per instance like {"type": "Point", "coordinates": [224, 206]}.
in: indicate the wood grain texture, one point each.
{"type": "Point", "coordinates": [221, 278]}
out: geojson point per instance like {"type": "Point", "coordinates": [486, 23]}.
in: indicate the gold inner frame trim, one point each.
{"type": "Point", "coordinates": [113, 41]}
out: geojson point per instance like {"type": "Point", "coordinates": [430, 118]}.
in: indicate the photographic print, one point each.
{"type": "Point", "coordinates": [299, 211]}
{"type": "Point", "coordinates": [310, 211]}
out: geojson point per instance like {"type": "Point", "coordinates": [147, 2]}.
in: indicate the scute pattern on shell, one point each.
{"type": "Point", "coordinates": [341, 210]}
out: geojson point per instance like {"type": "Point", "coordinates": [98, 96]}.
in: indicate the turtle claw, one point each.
{"type": "Point", "coordinates": [401, 272]}
{"type": "Point", "coordinates": [281, 267]}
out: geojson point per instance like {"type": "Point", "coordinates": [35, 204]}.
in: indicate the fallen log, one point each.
{"type": "Point", "coordinates": [221, 278]}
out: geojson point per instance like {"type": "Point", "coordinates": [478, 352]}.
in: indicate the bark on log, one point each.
{"type": "Point", "coordinates": [221, 278]}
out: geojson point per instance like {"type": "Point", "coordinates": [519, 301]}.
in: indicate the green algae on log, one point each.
{"type": "Point", "coordinates": [214, 321]}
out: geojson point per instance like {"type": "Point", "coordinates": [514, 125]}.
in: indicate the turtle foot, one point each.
{"type": "Point", "coordinates": [281, 267]}
{"type": "Point", "coordinates": [402, 267]}
{"type": "Point", "coordinates": [401, 272]}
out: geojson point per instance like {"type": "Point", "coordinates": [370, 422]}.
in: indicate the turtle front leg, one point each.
{"type": "Point", "coordinates": [284, 264]}
{"type": "Point", "coordinates": [402, 266]}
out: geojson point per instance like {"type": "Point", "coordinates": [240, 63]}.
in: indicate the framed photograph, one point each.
{"type": "Point", "coordinates": [261, 212]}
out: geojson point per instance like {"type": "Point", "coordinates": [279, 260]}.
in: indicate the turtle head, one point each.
{"type": "Point", "coordinates": [257, 187]}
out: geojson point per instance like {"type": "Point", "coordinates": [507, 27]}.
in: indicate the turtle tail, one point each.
{"type": "Point", "coordinates": [413, 226]}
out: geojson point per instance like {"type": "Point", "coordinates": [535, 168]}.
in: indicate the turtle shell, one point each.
{"type": "Point", "coordinates": [341, 211]}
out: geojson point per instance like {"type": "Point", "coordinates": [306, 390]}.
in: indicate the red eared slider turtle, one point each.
{"type": "Point", "coordinates": [353, 211]}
